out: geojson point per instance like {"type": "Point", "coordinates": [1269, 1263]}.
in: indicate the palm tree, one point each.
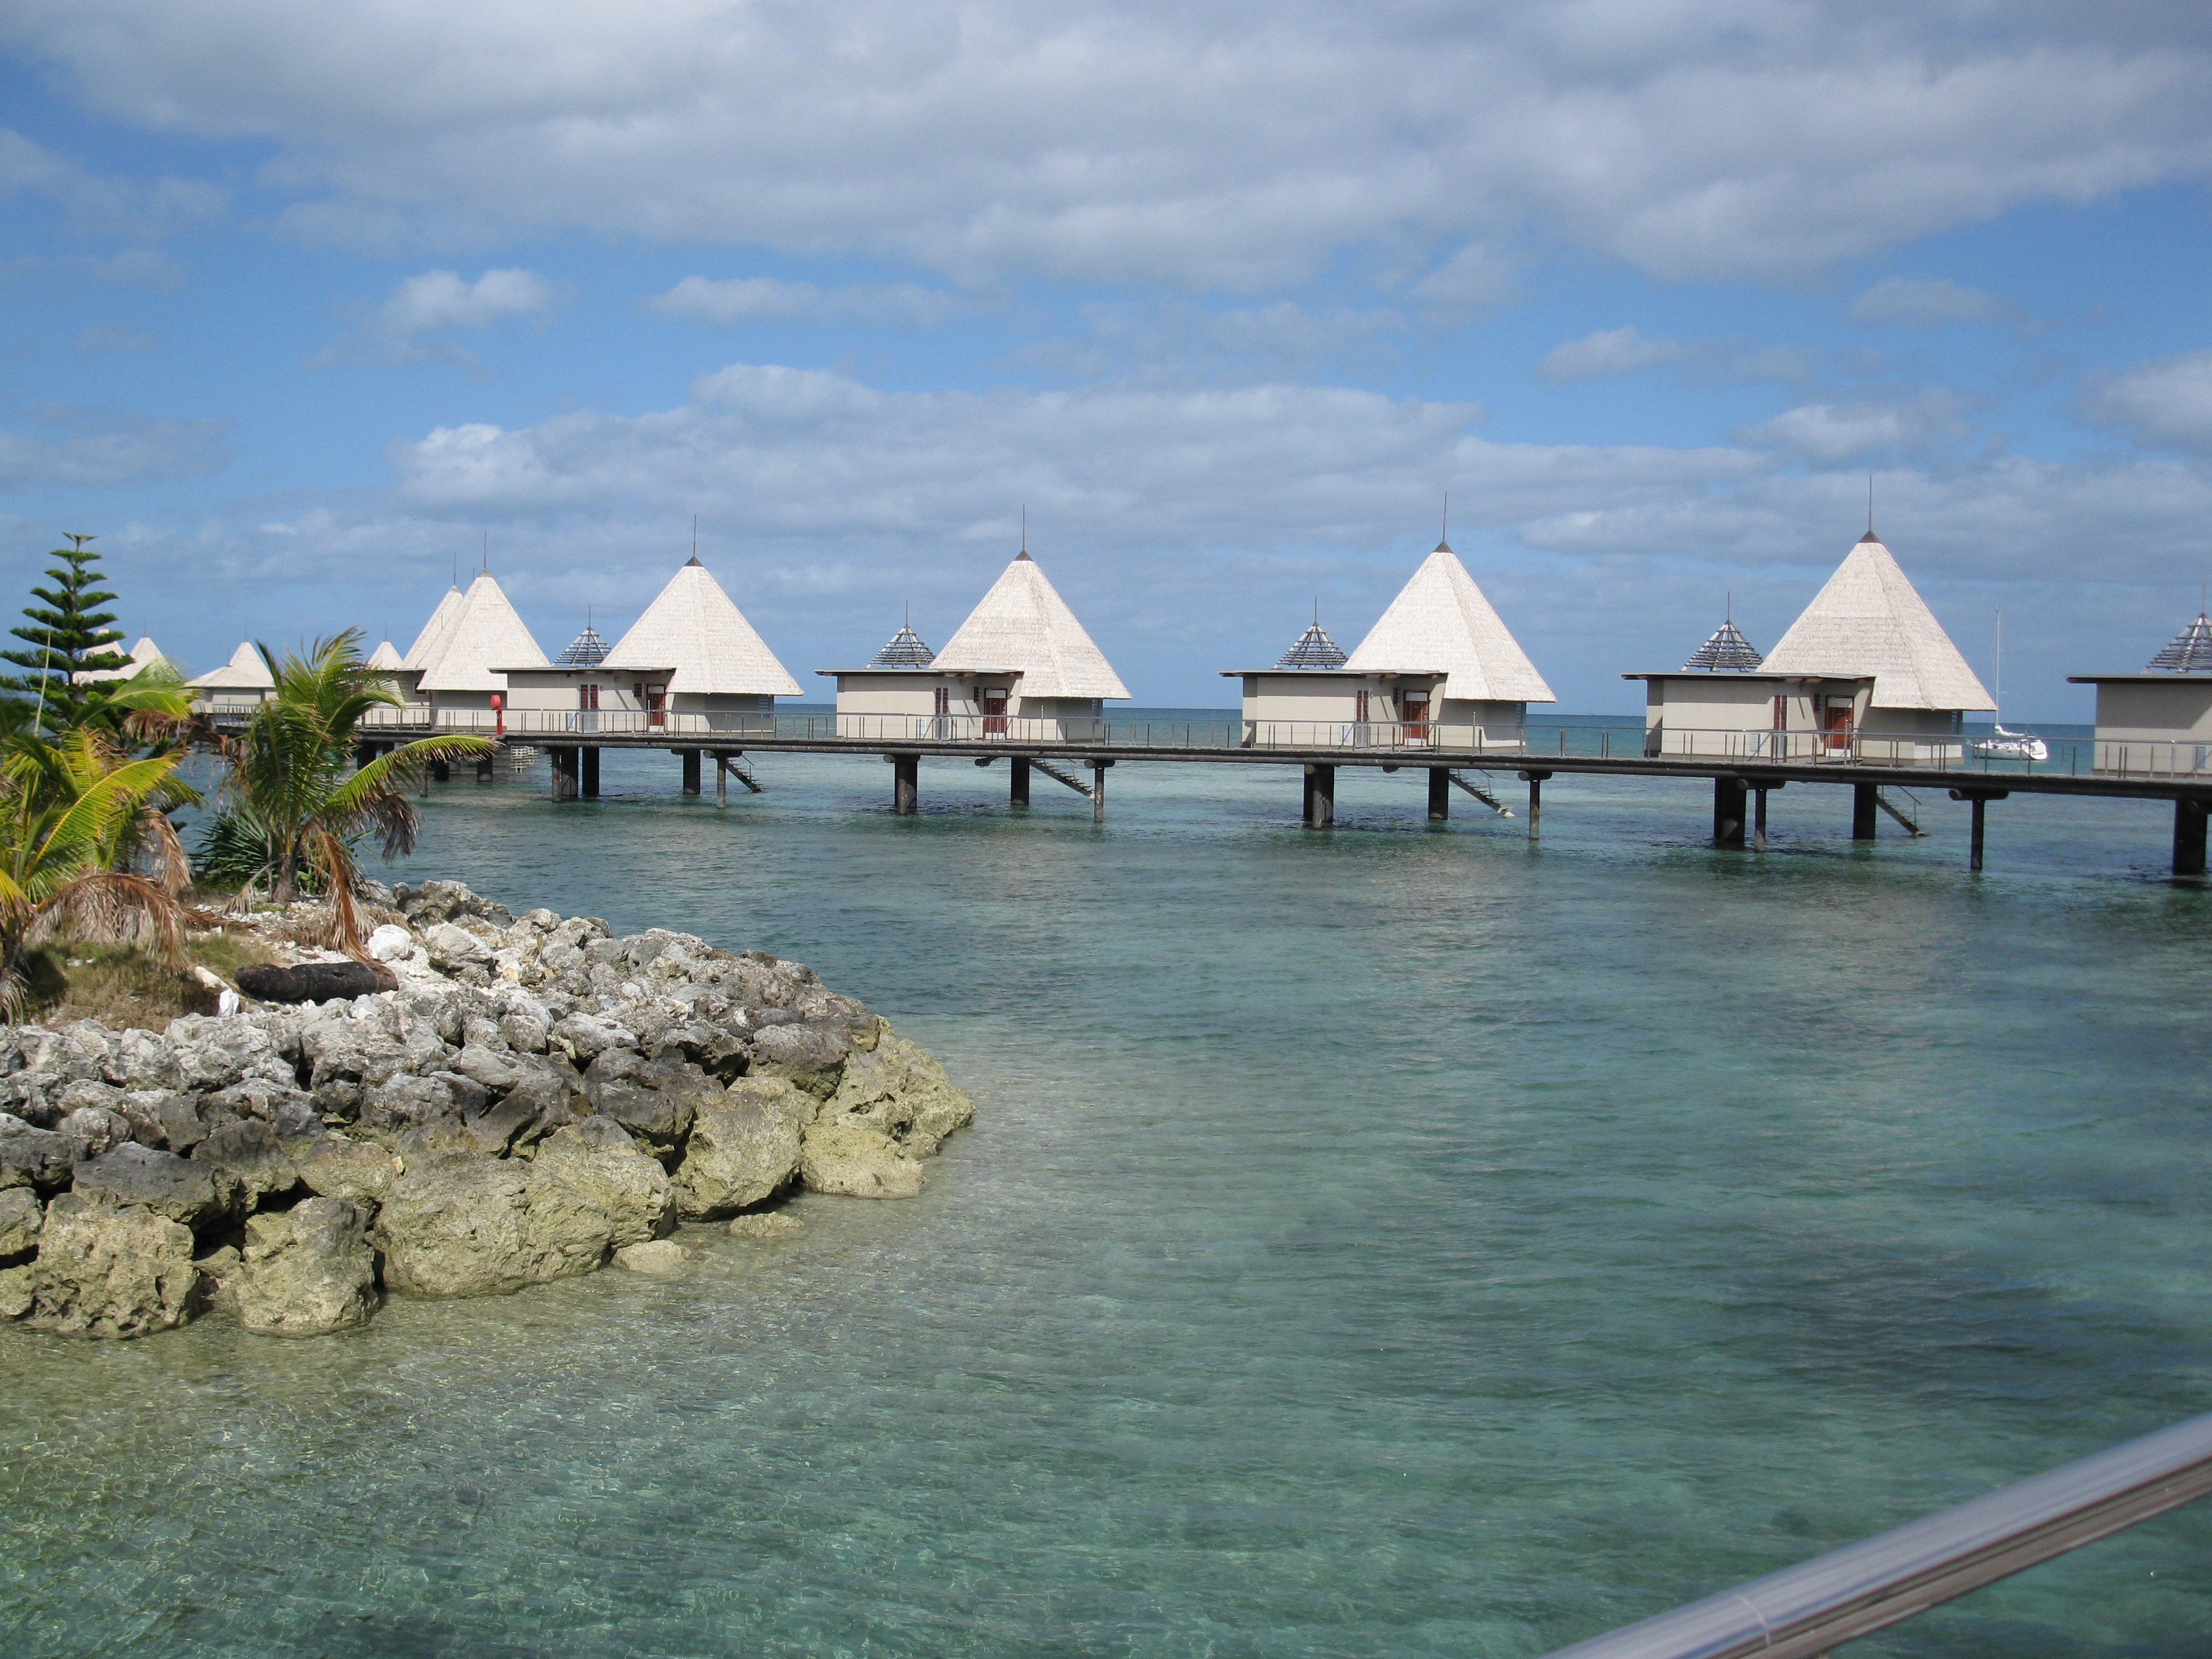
{"type": "Point", "coordinates": [292, 787]}
{"type": "Point", "coordinates": [75, 812]}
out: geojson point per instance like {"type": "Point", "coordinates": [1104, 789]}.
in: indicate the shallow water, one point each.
{"type": "Point", "coordinates": [1388, 1241]}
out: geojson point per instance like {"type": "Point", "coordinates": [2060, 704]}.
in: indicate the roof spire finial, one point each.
{"type": "Point", "coordinates": [1869, 506]}
{"type": "Point", "coordinates": [695, 538]}
{"type": "Point", "coordinates": [487, 550]}
{"type": "Point", "coordinates": [1024, 553]}
{"type": "Point", "coordinates": [1443, 535]}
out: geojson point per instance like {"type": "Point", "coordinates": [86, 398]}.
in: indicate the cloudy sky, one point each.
{"type": "Point", "coordinates": [303, 305]}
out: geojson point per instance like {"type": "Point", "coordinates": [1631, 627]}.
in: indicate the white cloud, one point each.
{"type": "Point", "coordinates": [729, 302]}
{"type": "Point", "coordinates": [1609, 351]}
{"type": "Point", "coordinates": [1830, 433]}
{"type": "Point", "coordinates": [2167, 401]}
{"type": "Point", "coordinates": [1928, 303]}
{"type": "Point", "coordinates": [69, 445]}
{"type": "Point", "coordinates": [1208, 145]}
{"type": "Point", "coordinates": [435, 301]}
{"type": "Point", "coordinates": [94, 202]}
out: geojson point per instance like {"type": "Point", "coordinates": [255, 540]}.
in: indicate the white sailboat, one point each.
{"type": "Point", "coordinates": [2004, 744]}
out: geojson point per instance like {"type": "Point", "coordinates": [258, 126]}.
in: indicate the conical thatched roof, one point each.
{"type": "Point", "coordinates": [1313, 649]}
{"type": "Point", "coordinates": [1022, 624]}
{"type": "Point", "coordinates": [386, 659]}
{"type": "Point", "coordinates": [695, 628]}
{"type": "Point", "coordinates": [1726, 653]}
{"type": "Point", "coordinates": [143, 655]}
{"type": "Point", "coordinates": [486, 635]}
{"type": "Point", "coordinates": [2189, 653]}
{"type": "Point", "coordinates": [1870, 620]}
{"type": "Point", "coordinates": [904, 649]}
{"type": "Point", "coordinates": [435, 632]}
{"type": "Point", "coordinates": [1441, 621]}
{"type": "Point", "coordinates": [245, 671]}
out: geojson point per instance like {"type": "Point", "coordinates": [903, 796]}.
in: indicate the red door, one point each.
{"type": "Point", "coordinates": [656, 705]}
{"type": "Point", "coordinates": [994, 713]}
{"type": "Point", "coordinates": [1836, 722]}
{"type": "Point", "coordinates": [1416, 718]}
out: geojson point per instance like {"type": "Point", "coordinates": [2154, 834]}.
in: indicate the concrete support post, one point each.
{"type": "Point", "coordinates": [1862, 812]}
{"type": "Point", "coordinates": [441, 771]}
{"type": "Point", "coordinates": [1321, 795]}
{"type": "Point", "coordinates": [1098, 789]}
{"type": "Point", "coordinates": [483, 768]}
{"type": "Point", "coordinates": [2190, 817]}
{"type": "Point", "coordinates": [590, 774]}
{"type": "Point", "coordinates": [906, 783]}
{"type": "Point", "coordinates": [722, 779]}
{"type": "Point", "coordinates": [1728, 811]}
{"type": "Point", "coordinates": [362, 754]}
{"type": "Point", "coordinates": [1980, 800]}
{"type": "Point", "coordinates": [690, 770]}
{"type": "Point", "coordinates": [1017, 782]}
{"type": "Point", "coordinates": [1535, 782]}
{"type": "Point", "coordinates": [1759, 819]}
{"type": "Point", "coordinates": [564, 772]}
{"type": "Point", "coordinates": [1439, 793]}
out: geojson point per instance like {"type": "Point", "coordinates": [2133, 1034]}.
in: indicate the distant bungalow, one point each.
{"type": "Point", "coordinates": [143, 655]}
{"type": "Point", "coordinates": [1020, 667]}
{"type": "Point", "coordinates": [1866, 671]}
{"type": "Point", "coordinates": [1439, 668]}
{"type": "Point", "coordinates": [2159, 719]}
{"type": "Point", "coordinates": [239, 687]}
{"type": "Point", "coordinates": [691, 663]}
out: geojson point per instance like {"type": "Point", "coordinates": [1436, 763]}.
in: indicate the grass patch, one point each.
{"type": "Point", "coordinates": [122, 988]}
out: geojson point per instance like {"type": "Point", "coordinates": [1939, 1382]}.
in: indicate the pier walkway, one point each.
{"type": "Point", "coordinates": [1743, 768]}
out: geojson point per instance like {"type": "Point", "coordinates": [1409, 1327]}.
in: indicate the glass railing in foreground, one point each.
{"type": "Point", "coordinates": [1804, 1611]}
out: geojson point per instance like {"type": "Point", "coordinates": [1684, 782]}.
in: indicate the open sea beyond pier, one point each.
{"type": "Point", "coordinates": [1393, 1239]}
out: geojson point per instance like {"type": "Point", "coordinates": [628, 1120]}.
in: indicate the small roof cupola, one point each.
{"type": "Point", "coordinates": [1442, 621]}
{"type": "Point", "coordinates": [1313, 649]}
{"type": "Point", "coordinates": [1869, 621]}
{"type": "Point", "coordinates": [2190, 652]}
{"type": "Point", "coordinates": [586, 650]}
{"type": "Point", "coordinates": [696, 629]}
{"type": "Point", "coordinates": [1727, 652]}
{"type": "Point", "coordinates": [1023, 626]}
{"type": "Point", "coordinates": [904, 649]}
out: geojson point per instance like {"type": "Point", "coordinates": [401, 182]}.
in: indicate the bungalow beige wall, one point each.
{"type": "Point", "coordinates": [1295, 709]}
{"type": "Point", "coordinates": [886, 705]}
{"type": "Point", "coordinates": [2135, 712]}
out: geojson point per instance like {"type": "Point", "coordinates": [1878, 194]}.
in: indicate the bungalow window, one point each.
{"type": "Point", "coordinates": [587, 696]}
{"type": "Point", "coordinates": [944, 699]}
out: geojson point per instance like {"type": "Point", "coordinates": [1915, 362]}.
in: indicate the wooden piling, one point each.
{"type": "Point", "coordinates": [1439, 793]}
{"type": "Point", "coordinates": [1321, 795]}
{"type": "Point", "coordinates": [906, 783]}
{"type": "Point", "coordinates": [690, 757]}
{"type": "Point", "coordinates": [590, 772]}
{"type": "Point", "coordinates": [1728, 810]}
{"type": "Point", "coordinates": [1864, 803]}
{"type": "Point", "coordinates": [2191, 814]}
{"type": "Point", "coordinates": [1017, 782]}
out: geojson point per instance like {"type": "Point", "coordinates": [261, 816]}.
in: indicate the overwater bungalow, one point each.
{"type": "Point", "coordinates": [2159, 719]}
{"type": "Point", "coordinates": [1020, 667]}
{"type": "Point", "coordinates": [1438, 669]}
{"type": "Point", "coordinates": [460, 660]}
{"type": "Point", "coordinates": [385, 659]}
{"type": "Point", "coordinates": [1865, 672]}
{"type": "Point", "coordinates": [143, 655]}
{"type": "Point", "coordinates": [692, 663]}
{"type": "Point", "coordinates": [239, 687]}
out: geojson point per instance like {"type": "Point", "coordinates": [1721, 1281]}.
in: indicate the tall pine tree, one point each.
{"type": "Point", "coordinates": [63, 635]}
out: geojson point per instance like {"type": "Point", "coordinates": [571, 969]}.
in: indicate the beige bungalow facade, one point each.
{"type": "Point", "coordinates": [1439, 668]}
{"type": "Point", "coordinates": [2158, 721]}
{"type": "Point", "coordinates": [691, 665]}
{"type": "Point", "coordinates": [239, 687]}
{"type": "Point", "coordinates": [1021, 667]}
{"type": "Point", "coordinates": [1865, 673]}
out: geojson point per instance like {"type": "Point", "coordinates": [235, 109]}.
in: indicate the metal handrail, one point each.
{"type": "Point", "coordinates": [1803, 1611]}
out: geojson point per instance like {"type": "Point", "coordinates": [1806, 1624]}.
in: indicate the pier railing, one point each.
{"type": "Point", "coordinates": [1804, 1611]}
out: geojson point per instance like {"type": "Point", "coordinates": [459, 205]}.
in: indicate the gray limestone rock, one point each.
{"type": "Point", "coordinates": [33, 1158]}
{"type": "Point", "coordinates": [218, 1271]}
{"type": "Point", "coordinates": [658, 1255]}
{"type": "Point", "coordinates": [93, 1128]}
{"type": "Point", "coordinates": [110, 1273]}
{"type": "Point", "coordinates": [853, 1161]}
{"type": "Point", "coordinates": [17, 1286]}
{"type": "Point", "coordinates": [811, 1054]}
{"type": "Point", "coordinates": [199, 1195]}
{"type": "Point", "coordinates": [742, 1148]}
{"type": "Point", "coordinates": [250, 1149]}
{"type": "Point", "coordinates": [591, 1181]}
{"type": "Point", "coordinates": [524, 1033]}
{"type": "Point", "coordinates": [142, 1060]}
{"type": "Point", "coordinates": [20, 1217]}
{"type": "Point", "coordinates": [583, 1038]}
{"type": "Point", "coordinates": [654, 1100]}
{"type": "Point", "coordinates": [455, 1224]}
{"type": "Point", "coordinates": [770, 1224]}
{"type": "Point", "coordinates": [214, 1051]}
{"type": "Point", "coordinates": [899, 1088]}
{"type": "Point", "coordinates": [452, 947]}
{"type": "Point", "coordinates": [337, 1166]}
{"type": "Point", "coordinates": [307, 1271]}
{"type": "Point", "coordinates": [163, 1119]}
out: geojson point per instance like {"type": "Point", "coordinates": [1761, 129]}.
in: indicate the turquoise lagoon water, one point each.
{"type": "Point", "coordinates": [1393, 1240]}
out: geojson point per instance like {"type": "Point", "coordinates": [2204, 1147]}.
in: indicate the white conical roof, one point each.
{"type": "Point", "coordinates": [386, 657]}
{"type": "Point", "coordinates": [1868, 620]}
{"type": "Point", "coordinates": [435, 632]}
{"type": "Point", "coordinates": [143, 655]}
{"type": "Point", "coordinates": [695, 628]}
{"type": "Point", "coordinates": [1441, 621]}
{"type": "Point", "coordinates": [1023, 625]}
{"type": "Point", "coordinates": [246, 671]}
{"type": "Point", "coordinates": [487, 636]}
